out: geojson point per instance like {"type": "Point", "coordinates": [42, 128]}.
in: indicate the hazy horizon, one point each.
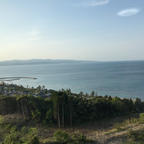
{"type": "Point", "coordinates": [47, 59]}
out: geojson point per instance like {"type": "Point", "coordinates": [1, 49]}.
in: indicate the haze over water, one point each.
{"type": "Point", "coordinates": [124, 79]}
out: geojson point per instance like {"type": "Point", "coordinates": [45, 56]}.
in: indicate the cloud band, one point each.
{"type": "Point", "coordinates": [94, 3]}
{"type": "Point", "coordinates": [129, 12]}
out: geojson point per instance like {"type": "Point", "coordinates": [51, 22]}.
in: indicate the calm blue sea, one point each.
{"type": "Point", "coordinates": [124, 79]}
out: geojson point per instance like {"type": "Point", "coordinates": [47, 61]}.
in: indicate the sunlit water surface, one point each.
{"type": "Point", "coordinates": [124, 79]}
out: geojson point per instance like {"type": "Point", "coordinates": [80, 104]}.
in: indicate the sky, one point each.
{"type": "Point", "coordinates": [101, 30]}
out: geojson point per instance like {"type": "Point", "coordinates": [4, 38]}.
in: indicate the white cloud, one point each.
{"type": "Point", "coordinates": [129, 12]}
{"type": "Point", "coordinates": [92, 3]}
{"type": "Point", "coordinates": [34, 35]}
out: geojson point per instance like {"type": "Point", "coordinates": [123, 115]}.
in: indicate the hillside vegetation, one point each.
{"type": "Point", "coordinates": [82, 118]}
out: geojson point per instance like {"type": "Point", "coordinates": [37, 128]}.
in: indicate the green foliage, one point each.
{"type": "Point", "coordinates": [36, 115]}
{"type": "Point", "coordinates": [34, 140]}
{"type": "Point", "coordinates": [1, 119]}
{"type": "Point", "coordinates": [48, 116]}
{"type": "Point", "coordinates": [23, 136]}
{"type": "Point", "coordinates": [13, 137]}
{"type": "Point", "coordinates": [62, 137]}
{"type": "Point", "coordinates": [78, 138]}
{"type": "Point", "coordinates": [8, 105]}
{"type": "Point", "coordinates": [141, 118]}
{"type": "Point", "coordinates": [136, 137]}
{"type": "Point", "coordinates": [65, 108]}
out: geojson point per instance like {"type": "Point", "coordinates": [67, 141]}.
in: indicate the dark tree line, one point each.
{"type": "Point", "coordinates": [65, 108]}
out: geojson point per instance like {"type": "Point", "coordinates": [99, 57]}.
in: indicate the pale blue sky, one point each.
{"type": "Point", "coordinates": [72, 29]}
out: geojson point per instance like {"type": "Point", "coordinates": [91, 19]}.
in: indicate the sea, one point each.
{"type": "Point", "coordinates": [123, 79]}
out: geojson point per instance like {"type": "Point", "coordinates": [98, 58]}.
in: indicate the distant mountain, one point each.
{"type": "Point", "coordinates": [36, 61]}
{"type": "Point", "coordinates": [57, 61]}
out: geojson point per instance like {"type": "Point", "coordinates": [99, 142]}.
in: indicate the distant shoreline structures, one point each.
{"type": "Point", "coordinates": [3, 79]}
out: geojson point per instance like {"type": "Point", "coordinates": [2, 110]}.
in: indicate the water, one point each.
{"type": "Point", "coordinates": [124, 79]}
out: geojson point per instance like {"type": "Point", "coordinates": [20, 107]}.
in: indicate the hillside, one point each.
{"type": "Point", "coordinates": [111, 131]}
{"type": "Point", "coordinates": [30, 115]}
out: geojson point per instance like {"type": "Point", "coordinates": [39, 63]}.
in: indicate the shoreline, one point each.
{"type": "Point", "coordinates": [3, 79]}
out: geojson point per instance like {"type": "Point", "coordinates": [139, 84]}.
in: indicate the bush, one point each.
{"type": "Point", "coordinates": [136, 136]}
{"type": "Point", "coordinates": [141, 118]}
{"type": "Point", "coordinates": [13, 137]}
{"type": "Point", "coordinates": [1, 119]}
{"type": "Point", "coordinates": [23, 136]}
{"type": "Point", "coordinates": [49, 116]}
{"type": "Point", "coordinates": [34, 140]}
{"type": "Point", "coordinates": [62, 137]}
{"type": "Point", "coordinates": [78, 138]}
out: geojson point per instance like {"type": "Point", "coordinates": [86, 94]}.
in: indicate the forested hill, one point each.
{"type": "Point", "coordinates": [63, 108]}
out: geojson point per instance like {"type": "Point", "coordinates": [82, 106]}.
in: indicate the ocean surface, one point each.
{"type": "Point", "coordinates": [124, 79]}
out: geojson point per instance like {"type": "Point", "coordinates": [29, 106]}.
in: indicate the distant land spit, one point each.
{"type": "Point", "coordinates": [15, 78]}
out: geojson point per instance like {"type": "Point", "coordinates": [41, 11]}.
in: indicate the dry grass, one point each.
{"type": "Point", "coordinates": [110, 131]}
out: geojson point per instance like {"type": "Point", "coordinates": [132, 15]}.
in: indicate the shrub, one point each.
{"type": "Point", "coordinates": [136, 136]}
{"type": "Point", "coordinates": [49, 116]}
{"type": "Point", "coordinates": [1, 119]}
{"type": "Point", "coordinates": [23, 136]}
{"type": "Point", "coordinates": [13, 137]}
{"type": "Point", "coordinates": [141, 118]}
{"type": "Point", "coordinates": [34, 140]}
{"type": "Point", "coordinates": [78, 138]}
{"type": "Point", "coordinates": [62, 137]}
